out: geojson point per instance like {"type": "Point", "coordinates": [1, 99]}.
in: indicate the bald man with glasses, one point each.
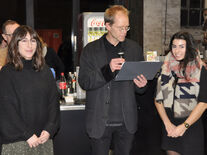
{"type": "Point", "coordinates": [111, 108]}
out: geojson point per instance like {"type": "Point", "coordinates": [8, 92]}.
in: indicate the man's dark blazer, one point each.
{"type": "Point", "coordinates": [91, 79]}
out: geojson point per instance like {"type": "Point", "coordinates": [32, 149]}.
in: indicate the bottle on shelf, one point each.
{"type": "Point", "coordinates": [62, 87]}
{"type": "Point", "coordinates": [70, 91]}
{"type": "Point", "coordinates": [70, 84]}
{"type": "Point", "coordinates": [74, 84]}
{"type": "Point", "coordinates": [81, 94]}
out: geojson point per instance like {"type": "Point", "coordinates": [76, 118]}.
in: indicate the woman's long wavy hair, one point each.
{"type": "Point", "coordinates": [191, 53]}
{"type": "Point", "coordinates": [14, 56]}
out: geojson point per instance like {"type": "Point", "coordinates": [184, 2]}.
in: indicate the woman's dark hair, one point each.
{"type": "Point", "coordinates": [191, 49]}
{"type": "Point", "coordinates": [14, 56]}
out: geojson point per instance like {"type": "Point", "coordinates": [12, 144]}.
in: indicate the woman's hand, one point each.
{"type": "Point", "coordinates": [44, 137]}
{"type": "Point", "coordinates": [33, 141]}
{"type": "Point", "coordinates": [170, 129]}
{"type": "Point", "coordinates": [179, 130]}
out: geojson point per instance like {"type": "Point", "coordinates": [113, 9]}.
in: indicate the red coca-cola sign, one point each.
{"type": "Point", "coordinates": [96, 22]}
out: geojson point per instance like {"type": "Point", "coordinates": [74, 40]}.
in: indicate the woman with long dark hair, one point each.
{"type": "Point", "coordinates": [29, 108]}
{"type": "Point", "coordinates": [176, 99]}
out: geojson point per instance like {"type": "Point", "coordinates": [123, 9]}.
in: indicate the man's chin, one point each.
{"type": "Point", "coordinates": [121, 40]}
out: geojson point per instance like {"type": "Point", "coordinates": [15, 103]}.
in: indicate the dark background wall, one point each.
{"type": "Point", "coordinates": [136, 20]}
{"type": "Point", "coordinates": [12, 9]}
{"type": "Point", "coordinates": [57, 20]}
{"type": "Point", "coordinates": [57, 14]}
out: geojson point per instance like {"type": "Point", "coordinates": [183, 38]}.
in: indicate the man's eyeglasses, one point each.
{"type": "Point", "coordinates": [10, 35]}
{"type": "Point", "coordinates": [122, 29]}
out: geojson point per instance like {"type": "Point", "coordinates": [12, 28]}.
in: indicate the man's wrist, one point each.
{"type": "Point", "coordinates": [107, 73]}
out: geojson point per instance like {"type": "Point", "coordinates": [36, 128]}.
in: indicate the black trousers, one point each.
{"type": "Point", "coordinates": [118, 136]}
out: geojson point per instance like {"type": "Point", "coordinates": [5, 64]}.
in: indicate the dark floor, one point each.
{"type": "Point", "coordinates": [148, 137]}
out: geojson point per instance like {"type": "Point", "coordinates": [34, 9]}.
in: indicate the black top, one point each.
{"type": "Point", "coordinates": [115, 101]}
{"type": "Point", "coordinates": [202, 97]}
{"type": "Point", "coordinates": [28, 103]}
{"type": "Point", "coordinates": [111, 50]}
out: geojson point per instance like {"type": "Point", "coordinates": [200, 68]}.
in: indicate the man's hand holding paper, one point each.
{"type": "Point", "coordinates": [140, 81]}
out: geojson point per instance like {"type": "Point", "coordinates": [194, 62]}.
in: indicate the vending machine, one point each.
{"type": "Point", "coordinates": [93, 26]}
{"type": "Point", "coordinates": [90, 27]}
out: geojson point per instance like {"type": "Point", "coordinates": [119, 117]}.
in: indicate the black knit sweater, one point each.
{"type": "Point", "coordinates": [28, 103]}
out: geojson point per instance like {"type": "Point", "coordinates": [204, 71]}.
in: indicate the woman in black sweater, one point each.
{"type": "Point", "coordinates": [29, 108]}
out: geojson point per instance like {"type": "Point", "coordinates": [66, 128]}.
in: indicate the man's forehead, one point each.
{"type": "Point", "coordinates": [11, 27]}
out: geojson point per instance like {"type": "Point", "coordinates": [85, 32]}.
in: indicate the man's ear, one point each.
{"type": "Point", "coordinates": [4, 36]}
{"type": "Point", "coordinates": [108, 26]}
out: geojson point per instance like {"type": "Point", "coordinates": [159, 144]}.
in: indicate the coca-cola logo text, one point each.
{"type": "Point", "coordinates": [96, 23]}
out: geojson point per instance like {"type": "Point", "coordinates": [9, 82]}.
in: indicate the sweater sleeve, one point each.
{"type": "Point", "coordinates": [12, 126]}
{"type": "Point", "coordinates": [53, 122]}
{"type": "Point", "coordinates": [107, 73]}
